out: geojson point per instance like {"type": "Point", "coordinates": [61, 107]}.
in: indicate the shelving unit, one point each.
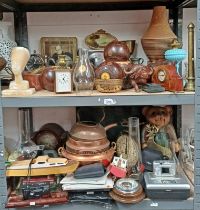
{"type": "Point", "coordinates": [125, 98]}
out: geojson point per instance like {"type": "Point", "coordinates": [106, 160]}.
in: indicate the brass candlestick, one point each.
{"type": "Point", "coordinates": [190, 86]}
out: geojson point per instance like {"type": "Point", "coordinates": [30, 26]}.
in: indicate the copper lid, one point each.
{"type": "Point", "coordinates": [88, 131]}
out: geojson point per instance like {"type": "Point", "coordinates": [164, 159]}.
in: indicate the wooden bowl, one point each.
{"type": "Point", "coordinates": [2, 63]}
{"type": "Point", "coordinates": [34, 80]}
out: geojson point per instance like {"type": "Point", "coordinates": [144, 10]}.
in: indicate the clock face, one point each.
{"type": "Point", "coordinates": [63, 82]}
{"type": "Point", "coordinates": [162, 75]}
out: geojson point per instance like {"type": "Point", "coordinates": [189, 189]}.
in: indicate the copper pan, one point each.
{"type": "Point", "coordinates": [88, 158]}
{"type": "Point", "coordinates": [84, 146]}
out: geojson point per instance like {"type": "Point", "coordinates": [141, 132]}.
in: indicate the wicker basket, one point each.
{"type": "Point", "coordinates": [108, 86]}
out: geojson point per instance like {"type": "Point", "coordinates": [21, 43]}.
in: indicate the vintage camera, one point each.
{"type": "Point", "coordinates": [164, 168]}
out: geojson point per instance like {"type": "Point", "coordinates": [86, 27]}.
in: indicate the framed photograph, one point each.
{"type": "Point", "coordinates": [54, 46]}
{"type": "Point", "coordinates": [63, 81]}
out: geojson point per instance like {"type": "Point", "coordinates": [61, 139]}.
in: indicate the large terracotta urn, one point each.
{"type": "Point", "coordinates": [159, 36]}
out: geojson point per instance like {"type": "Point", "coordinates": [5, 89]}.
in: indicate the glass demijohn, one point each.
{"type": "Point", "coordinates": [26, 145]}
{"type": "Point", "coordinates": [83, 74]}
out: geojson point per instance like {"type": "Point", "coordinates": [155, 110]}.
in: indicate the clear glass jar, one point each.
{"type": "Point", "coordinates": [83, 74]}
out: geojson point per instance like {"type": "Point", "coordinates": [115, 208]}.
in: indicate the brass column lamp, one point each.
{"type": "Point", "coordinates": [190, 86]}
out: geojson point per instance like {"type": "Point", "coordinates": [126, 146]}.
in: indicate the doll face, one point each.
{"type": "Point", "coordinates": [159, 117]}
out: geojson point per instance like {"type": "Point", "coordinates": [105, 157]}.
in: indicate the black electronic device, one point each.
{"type": "Point", "coordinates": [148, 156]}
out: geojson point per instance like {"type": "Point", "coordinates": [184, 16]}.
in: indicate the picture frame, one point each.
{"type": "Point", "coordinates": [51, 47]}
{"type": "Point", "coordinates": [63, 81]}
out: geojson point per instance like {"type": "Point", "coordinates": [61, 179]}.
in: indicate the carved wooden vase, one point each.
{"type": "Point", "coordinates": [159, 36]}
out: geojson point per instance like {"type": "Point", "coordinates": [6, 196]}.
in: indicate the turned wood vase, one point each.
{"type": "Point", "coordinates": [159, 36]}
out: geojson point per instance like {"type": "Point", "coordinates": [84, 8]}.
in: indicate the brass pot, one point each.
{"type": "Point", "coordinates": [88, 158]}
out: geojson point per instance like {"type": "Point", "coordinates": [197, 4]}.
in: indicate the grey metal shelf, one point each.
{"type": "Point", "coordinates": [49, 100]}
{"type": "Point", "coordinates": [127, 98]}
{"type": "Point", "coordinates": [145, 204]}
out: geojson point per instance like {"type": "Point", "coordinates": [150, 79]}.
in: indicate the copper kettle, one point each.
{"type": "Point", "coordinates": [88, 142]}
{"type": "Point", "coordinates": [88, 130]}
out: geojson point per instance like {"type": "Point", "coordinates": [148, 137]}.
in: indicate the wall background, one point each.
{"type": "Point", "coordinates": [125, 25]}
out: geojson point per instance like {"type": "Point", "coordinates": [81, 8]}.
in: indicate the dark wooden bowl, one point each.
{"type": "Point", "coordinates": [2, 63]}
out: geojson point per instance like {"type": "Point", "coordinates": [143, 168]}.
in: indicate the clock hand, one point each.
{"type": "Point", "coordinates": [64, 80]}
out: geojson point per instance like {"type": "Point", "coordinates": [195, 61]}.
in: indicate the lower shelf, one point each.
{"type": "Point", "coordinates": [161, 205]}
{"type": "Point", "coordinates": [144, 205]}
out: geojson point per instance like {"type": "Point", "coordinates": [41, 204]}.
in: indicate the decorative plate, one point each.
{"type": "Point", "coordinates": [99, 39]}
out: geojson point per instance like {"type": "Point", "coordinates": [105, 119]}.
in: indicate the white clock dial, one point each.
{"type": "Point", "coordinates": [161, 75]}
{"type": "Point", "coordinates": [63, 82]}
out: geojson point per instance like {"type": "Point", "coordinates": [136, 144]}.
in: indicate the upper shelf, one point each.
{"type": "Point", "coordinates": [123, 98]}
{"type": "Point", "coordinates": [89, 5]}
{"type": "Point", "coordinates": [79, 1]}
